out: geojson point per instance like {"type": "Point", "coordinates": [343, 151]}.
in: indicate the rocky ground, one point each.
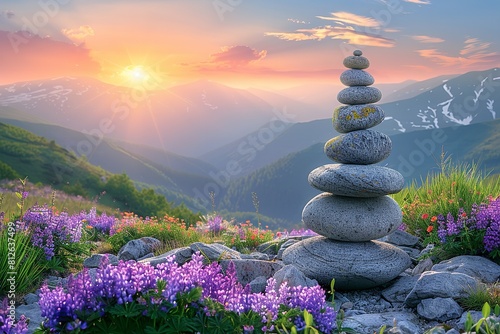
{"type": "Point", "coordinates": [422, 297]}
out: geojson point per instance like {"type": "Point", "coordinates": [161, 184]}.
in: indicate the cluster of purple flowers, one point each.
{"type": "Point", "coordinates": [102, 223]}
{"type": "Point", "coordinates": [297, 233]}
{"type": "Point", "coordinates": [129, 282]}
{"type": "Point", "coordinates": [7, 325]}
{"type": "Point", "coordinates": [215, 225]}
{"type": "Point", "coordinates": [49, 230]}
{"type": "Point", "coordinates": [484, 219]}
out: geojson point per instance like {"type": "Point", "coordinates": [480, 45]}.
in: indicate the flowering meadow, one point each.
{"type": "Point", "coordinates": [456, 211]}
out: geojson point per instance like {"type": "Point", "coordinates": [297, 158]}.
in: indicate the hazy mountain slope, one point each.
{"type": "Point", "coordinates": [269, 144]}
{"type": "Point", "coordinates": [190, 119]}
{"type": "Point", "coordinates": [283, 189]}
{"type": "Point", "coordinates": [407, 91]}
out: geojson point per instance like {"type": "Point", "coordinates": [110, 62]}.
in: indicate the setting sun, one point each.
{"type": "Point", "coordinates": [135, 75]}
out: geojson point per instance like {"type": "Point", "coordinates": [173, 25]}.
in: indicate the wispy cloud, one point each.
{"type": "Point", "coordinates": [420, 2]}
{"type": "Point", "coordinates": [352, 28]}
{"type": "Point", "coordinates": [350, 18]}
{"type": "Point", "coordinates": [346, 33]}
{"type": "Point", "coordinates": [427, 39]}
{"type": "Point", "coordinates": [474, 46]}
{"type": "Point", "coordinates": [474, 52]}
{"type": "Point", "coordinates": [78, 34]}
{"type": "Point", "coordinates": [236, 56]}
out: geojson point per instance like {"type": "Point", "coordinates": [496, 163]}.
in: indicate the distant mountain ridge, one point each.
{"type": "Point", "coordinates": [462, 100]}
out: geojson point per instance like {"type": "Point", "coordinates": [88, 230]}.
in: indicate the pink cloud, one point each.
{"type": "Point", "coordinates": [427, 39]}
{"type": "Point", "coordinates": [237, 56]}
{"type": "Point", "coordinates": [29, 57]}
{"type": "Point", "coordinates": [474, 52]}
{"type": "Point", "coordinates": [78, 34]}
{"type": "Point", "coordinates": [419, 2]}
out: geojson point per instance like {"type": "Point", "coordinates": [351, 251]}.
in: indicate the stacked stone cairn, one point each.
{"type": "Point", "coordinates": [354, 209]}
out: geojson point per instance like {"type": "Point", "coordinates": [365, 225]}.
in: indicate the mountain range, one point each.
{"type": "Point", "coordinates": [203, 137]}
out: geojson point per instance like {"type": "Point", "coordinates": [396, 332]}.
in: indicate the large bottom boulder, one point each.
{"type": "Point", "coordinates": [353, 265]}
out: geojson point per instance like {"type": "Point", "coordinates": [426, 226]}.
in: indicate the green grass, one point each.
{"type": "Point", "coordinates": [483, 293]}
{"type": "Point", "coordinates": [455, 186]}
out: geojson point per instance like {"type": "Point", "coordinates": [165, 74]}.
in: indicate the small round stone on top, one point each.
{"type": "Point", "coordinates": [357, 52]}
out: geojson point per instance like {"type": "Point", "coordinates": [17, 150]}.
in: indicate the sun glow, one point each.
{"type": "Point", "coordinates": [136, 75]}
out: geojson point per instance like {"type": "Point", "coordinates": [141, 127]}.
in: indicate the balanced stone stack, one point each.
{"type": "Point", "coordinates": [354, 209]}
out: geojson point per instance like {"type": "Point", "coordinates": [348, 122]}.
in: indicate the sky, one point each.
{"type": "Point", "coordinates": [244, 43]}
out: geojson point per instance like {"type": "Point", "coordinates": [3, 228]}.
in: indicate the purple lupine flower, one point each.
{"type": "Point", "coordinates": [102, 223]}
{"type": "Point", "coordinates": [453, 227]}
{"type": "Point", "coordinates": [7, 324]}
{"type": "Point", "coordinates": [215, 224]}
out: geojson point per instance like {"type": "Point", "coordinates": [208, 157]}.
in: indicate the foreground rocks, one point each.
{"type": "Point", "coordinates": [408, 304]}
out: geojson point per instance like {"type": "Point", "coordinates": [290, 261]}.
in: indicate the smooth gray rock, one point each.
{"type": "Point", "coordinates": [422, 266]}
{"type": "Point", "coordinates": [293, 277]}
{"type": "Point", "coordinates": [247, 270]}
{"type": "Point", "coordinates": [357, 117]}
{"type": "Point", "coordinates": [371, 323]}
{"type": "Point", "coordinates": [136, 249]}
{"type": "Point", "coordinates": [95, 260]}
{"type": "Point", "coordinates": [400, 238]}
{"type": "Point", "coordinates": [215, 252]}
{"type": "Point", "coordinates": [361, 147]}
{"type": "Point", "coordinates": [359, 95]}
{"type": "Point", "coordinates": [182, 255]}
{"type": "Point", "coordinates": [284, 246]}
{"type": "Point", "coordinates": [356, 180]}
{"type": "Point", "coordinates": [33, 313]}
{"type": "Point", "coordinates": [354, 265]}
{"type": "Point", "coordinates": [440, 309]}
{"type": "Point", "coordinates": [31, 298]}
{"type": "Point", "coordinates": [433, 284]}
{"type": "Point", "coordinates": [147, 256]}
{"type": "Point", "coordinates": [352, 219]}
{"type": "Point", "coordinates": [355, 77]}
{"type": "Point", "coordinates": [397, 292]}
{"type": "Point", "coordinates": [356, 62]}
{"type": "Point", "coordinates": [475, 266]}
{"type": "Point", "coordinates": [258, 284]}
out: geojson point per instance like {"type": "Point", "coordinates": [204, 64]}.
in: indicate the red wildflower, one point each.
{"type": "Point", "coordinates": [425, 216]}
{"type": "Point", "coordinates": [430, 228]}
{"type": "Point", "coordinates": [434, 218]}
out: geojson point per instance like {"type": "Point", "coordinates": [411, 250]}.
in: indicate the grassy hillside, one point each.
{"type": "Point", "coordinates": [45, 162]}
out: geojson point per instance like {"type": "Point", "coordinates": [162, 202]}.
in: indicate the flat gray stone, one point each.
{"type": "Point", "coordinates": [256, 256]}
{"type": "Point", "coordinates": [361, 147]}
{"type": "Point", "coordinates": [401, 238]}
{"type": "Point", "coordinates": [422, 266]}
{"type": "Point", "coordinates": [398, 291]}
{"type": "Point", "coordinates": [356, 180]}
{"type": "Point", "coordinates": [215, 252]}
{"type": "Point", "coordinates": [182, 255]}
{"type": "Point", "coordinates": [33, 313]}
{"type": "Point", "coordinates": [359, 95]}
{"type": "Point", "coordinates": [352, 219]}
{"type": "Point", "coordinates": [354, 265]}
{"type": "Point", "coordinates": [433, 284]}
{"type": "Point", "coordinates": [357, 117]}
{"type": "Point", "coordinates": [258, 285]}
{"type": "Point", "coordinates": [136, 249]}
{"type": "Point", "coordinates": [247, 270]}
{"type": "Point", "coordinates": [356, 62]}
{"type": "Point", "coordinates": [475, 266]}
{"type": "Point", "coordinates": [440, 309]}
{"type": "Point", "coordinates": [354, 77]}
{"type": "Point", "coordinates": [371, 323]}
{"type": "Point", "coordinates": [293, 277]}
{"type": "Point", "coordinates": [95, 260]}
{"type": "Point", "coordinates": [476, 315]}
